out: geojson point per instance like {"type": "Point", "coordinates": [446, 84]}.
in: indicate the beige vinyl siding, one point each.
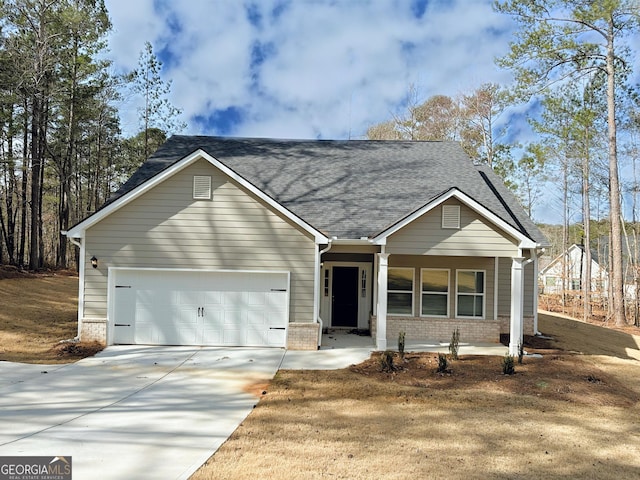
{"type": "Point", "coordinates": [504, 288]}
{"type": "Point", "coordinates": [167, 228]}
{"type": "Point", "coordinates": [476, 236]}
{"type": "Point", "coordinates": [452, 264]}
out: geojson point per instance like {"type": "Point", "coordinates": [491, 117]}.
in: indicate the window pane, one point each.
{"type": "Point", "coordinates": [471, 282]}
{"type": "Point", "coordinates": [479, 282]}
{"type": "Point", "coordinates": [399, 303]}
{"type": "Point", "coordinates": [434, 305]}
{"type": "Point", "coordinates": [400, 279]}
{"type": "Point", "coordinates": [465, 305]}
{"type": "Point", "coordinates": [470, 305]}
{"type": "Point", "coordinates": [435, 281]}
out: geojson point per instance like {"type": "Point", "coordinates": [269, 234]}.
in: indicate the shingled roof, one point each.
{"type": "Point", "coordinates": [349, 188]}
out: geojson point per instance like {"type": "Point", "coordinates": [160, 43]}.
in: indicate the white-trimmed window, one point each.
{"type": "Point", "coordinates": [451, 216]}
{"type": "Point", "coordinates": [470, 290]}
{"type": "Point", "coordinates": [434, 292]}
{"type": "Point", "coordinates": [400, 291]}
{"type": "Point", "coordinates": [201, 187]}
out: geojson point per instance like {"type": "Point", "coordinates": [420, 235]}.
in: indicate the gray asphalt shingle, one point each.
{"type": "Point", "coordinates": [348, 188]}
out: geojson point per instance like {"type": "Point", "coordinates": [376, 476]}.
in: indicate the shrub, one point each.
{"type": "Point", "coordinates": [520, 353]}
{"type": "Point", "coordinates": [507, 365]}
{"type": "Point", "coordinates": [386, 361]}
{"type": "Point", "coordinates": [454, 344]}
{"type": "Point", "coordinates": [442, 363]}
{"type": "Point", "coordinates": [401, 344]}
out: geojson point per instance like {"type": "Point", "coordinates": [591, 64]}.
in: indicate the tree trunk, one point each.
{"type": "Point", "coordinates": [615, 213]}
{"type": "Point", "coordinates": [36, 162]}
{"type": "Point", "coordinates": [586, 218]}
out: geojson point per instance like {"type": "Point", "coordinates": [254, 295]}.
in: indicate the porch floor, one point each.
{"type": "Point", "coordinates": [340, 338]}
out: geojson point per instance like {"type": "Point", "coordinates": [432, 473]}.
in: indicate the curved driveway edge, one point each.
{"type": "Point", "coordinates": [131, 411]}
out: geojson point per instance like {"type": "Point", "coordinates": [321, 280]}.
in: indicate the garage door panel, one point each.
{"type": "Point", "coordinates": [212, 298]}
{"type": "Point", "coordinates": [203, 308]}
{"type": "Point", "coordinates": [189, 297]}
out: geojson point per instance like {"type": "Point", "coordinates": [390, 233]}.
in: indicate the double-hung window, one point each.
{"type": "Point", "coordinates": [435, 292]}
{"type": "Point", "coordinates": [400, 291]}
{"type": "Point", "coordinates": [470, 291]}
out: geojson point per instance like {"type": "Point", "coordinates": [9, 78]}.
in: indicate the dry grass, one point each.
{"type": "Point", "coordinates": [37, 312]}
{"type": "Point", "coordinates": [566, 415]}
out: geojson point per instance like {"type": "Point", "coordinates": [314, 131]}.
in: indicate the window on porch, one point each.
{"type": "Point", "coordinates": [470, 293]}
{"type": "Point", "coordinates": [400, 291]}
{"type": "Point", "coordinates": [435, 292]}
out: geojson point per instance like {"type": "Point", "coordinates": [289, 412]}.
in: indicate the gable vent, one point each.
{"type": "Point", "coordinates": [451, 216]}
{"type": "Point", "coordinates": [201, 187]}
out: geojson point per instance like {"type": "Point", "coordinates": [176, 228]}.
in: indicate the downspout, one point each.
{"type": "Point", "coordinates": [320, 287]}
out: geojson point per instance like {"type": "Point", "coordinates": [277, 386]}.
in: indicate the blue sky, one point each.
{"type": "Point", "coordinates": [307, 69]}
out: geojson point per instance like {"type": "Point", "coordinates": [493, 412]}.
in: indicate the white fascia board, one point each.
{"type": "Point", "coordinates": [524, 241]}
{"type": "Point", "coordinates": [79, 229]}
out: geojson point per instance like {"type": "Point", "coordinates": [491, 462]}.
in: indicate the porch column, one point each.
{"type": "Point", "coordinates": [517, 305]}
{"type": "Point", "coordinates": [381, 318]}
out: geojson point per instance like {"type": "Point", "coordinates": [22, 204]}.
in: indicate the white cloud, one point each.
{"type": "Point", "coordinates": [330, 68]}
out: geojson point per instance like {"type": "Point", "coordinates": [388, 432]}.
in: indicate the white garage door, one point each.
{"type": "Point", "coordinates": [171, 307]}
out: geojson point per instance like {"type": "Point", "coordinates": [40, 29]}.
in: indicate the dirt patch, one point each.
{"type": "Point", "coordinates": [555, 376]}
{"type": "Point", "coordinates": [257, 389]}
{"type": "Point", "coordinates": [76, 350]}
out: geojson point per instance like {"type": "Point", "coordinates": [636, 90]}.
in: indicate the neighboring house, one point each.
{"type": "Point", "coordinates": [568, 272]}
{"type": "Point", "coordinates": [231, 241]}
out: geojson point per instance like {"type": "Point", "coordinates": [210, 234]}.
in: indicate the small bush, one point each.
{"type": "Point", "coordinates": [442, 363]}
{"type": "Point", "coordinates": [401, 344]}
{"type": "Point", "coordinates": [520, 353]}
{"type": "Point", "coordinates": [386, 361]}
{"type": "Point", "coordinates": [507, 365]}
{"type": "Point", "coordinates": [454, 344]}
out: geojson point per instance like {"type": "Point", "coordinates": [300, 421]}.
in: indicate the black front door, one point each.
{"type": "Point", "coordinates": [344, 305]}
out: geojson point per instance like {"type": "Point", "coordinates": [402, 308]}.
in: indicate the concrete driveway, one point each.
{"type": "Point", "coordinates": [132, 412]}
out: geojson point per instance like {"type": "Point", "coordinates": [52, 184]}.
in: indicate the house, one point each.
{"type": "Point", "coordinates": [567, 272]}
{"type": "Point", "coordinates": [240, 241]}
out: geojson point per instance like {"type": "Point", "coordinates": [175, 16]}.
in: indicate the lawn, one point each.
{"type": "Point", "coordinates": [574, 413]}
{"type": "Point", "coordinates": [36, 313]}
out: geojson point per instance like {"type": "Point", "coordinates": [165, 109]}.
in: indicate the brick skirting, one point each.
{"type": "Point", "coordinates": [94, 330]}
{"type": "Point", "coordinates": [303, 336]}
{"type": "Point", "coordinates": [441, 329]}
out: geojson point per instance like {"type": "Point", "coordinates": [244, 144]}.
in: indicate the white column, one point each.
{"type": "Point", "coordinates": [517, 305]}
{"type": "Point", "coordinates": [381, 318]}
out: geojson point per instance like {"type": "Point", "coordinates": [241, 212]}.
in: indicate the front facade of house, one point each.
{"type": "Point", "coordinates": [197, 251]}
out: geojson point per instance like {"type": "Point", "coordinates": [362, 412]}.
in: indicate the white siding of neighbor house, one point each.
{"type": "Point", "coordinates": [166, 227]}
{"type": "Point", "coordinates": [476, 236]}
